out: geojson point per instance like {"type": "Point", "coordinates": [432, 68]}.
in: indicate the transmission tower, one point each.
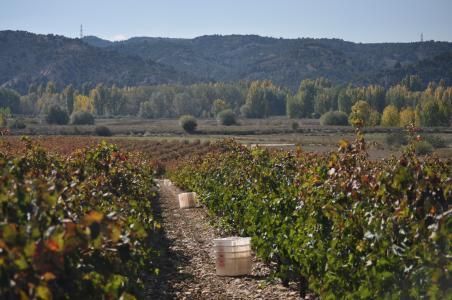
{"type": "Point", "coordinates": [81, 31]}
{"type": "Point", "coordinates": [422, 37]}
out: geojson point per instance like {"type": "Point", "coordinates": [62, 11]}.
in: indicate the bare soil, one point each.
{"type": "Point", "coordinates": [187, 262]}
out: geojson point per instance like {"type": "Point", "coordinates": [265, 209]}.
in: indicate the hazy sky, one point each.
{"type": "Point", "coordinates": [353, 20]}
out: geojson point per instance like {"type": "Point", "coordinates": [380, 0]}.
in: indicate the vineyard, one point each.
{"type": "Point", "coordinates": [81, 218]}
{"type": "Point", "coordinates": [75, 226]}
{"type": "Point", "coordinates": [341, 224]}
{"type": "Point", "coordinates": [158, 152]}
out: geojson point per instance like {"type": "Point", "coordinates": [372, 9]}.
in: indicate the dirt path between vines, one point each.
{"type": "Point", "coordinates": [187, 262]}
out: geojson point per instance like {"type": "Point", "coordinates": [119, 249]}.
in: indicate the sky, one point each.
{"type": "Point", "coordinates": [366, 21]}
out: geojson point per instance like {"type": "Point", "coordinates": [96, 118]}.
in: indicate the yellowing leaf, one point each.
{"type": "Point", "coordinates": [48, 276]}
{"type": "Point", "coordinates": [43, 292]}
{"type": "Point", "coordinates": [21, 263]}
{"type": "Point", "coordinates": [115, 233]}
{"type": "Point", "coordinates": [23, 295]}
{"type": "Point", "coordinates": [29, 249]}
{"type": "Point", "coordinates": [93, 216]}
{"type": "Point", "coordinates": [9, 233]}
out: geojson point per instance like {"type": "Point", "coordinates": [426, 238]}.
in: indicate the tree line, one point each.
{"type": "Point", "coordinates": [429, 105]}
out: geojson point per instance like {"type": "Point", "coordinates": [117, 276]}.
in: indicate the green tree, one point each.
{"type": "Point", "coordinates": [412, 83]}
{"type": "Point", "coordinates": [324, 100]}
{"type": "Point", "coordinates": [146, 110]}
{"type": "Point", "coordinates": [376, 97]}
{"type": "Point", "coordinates": [188, 123]}
{"type": "Point", "coordinates": [57, 116]}
{"type": "Point", "coordinates": [5, 113]}
{"type": "Point", "coordinates": [28, 104]}
{"type": "Point", "coordinates": [99, 95]}
{"type": "Point", "coordinates": [218, 106]}
{"type": "Point", "coordinates": [10, 99]}
{"type": "Point", "coordinates": [161, 104]}
{"type": "Point", "coordinates": [115, 101]}
{"type": "Point", "coordinates": [50, 88]}
{"type": "Point", "coordinates": [313, 96]}
{"type": "Point", "coordinates": [226, 117]}
{"type": "Point", "coordinates": [295, 106]}
{"type": "Point", "coordinates": [432, 113]}
{"type": "Point", "coordinates": [264, 99]}
{"type": "Point", "coordinates": [360, 114]}
{"type": "Point", "coordinates": [307, 92]}
{"type": "Point", "coordinates": [399, 96]}
{"type": "Point", "coordinates": [344, 102]}
{"type": "Point", "coordinates": [183, 104]}
{"type": "Point", "coordinates": [374, 118]}
{"type": "Point", "coordinates": [68, 96]}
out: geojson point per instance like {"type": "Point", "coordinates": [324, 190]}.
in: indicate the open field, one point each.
{"type": "Point", "coordinates": [310, 135]}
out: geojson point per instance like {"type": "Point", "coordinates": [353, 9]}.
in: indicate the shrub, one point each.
{"type": "Point", "coordinates": [82, 118]}
{"type": "Point", "coordinates": [226, 117]}
{"type": "Point", "coordinates": [423, 147]}
{"type": "Point", "coordinates": [245, 111]}
{"type": "Point", "coordinates": [188, 123]}
{"type": "Point", "coordinates": [396, 139]}
{"type": "Point", "coordinates": [57, 115]}
{"type": "Point", "coordinates": [337, 118]}
{"type": "Point", "coordinates": [436, 141]}
{"type": "Point", "coordinates": [103, 131]}
{"type": "Point", "coordinates": [315, 115]}
{"type": "Point", "coordinates": [18, 124]}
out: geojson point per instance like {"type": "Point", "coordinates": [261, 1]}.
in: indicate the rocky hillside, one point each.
{"type": "Point", "coordinates": [431, 69]}
{"type": "Point", "coordinates": [27, 58]}
{"type": "Point", "coordinates": [285, 61]}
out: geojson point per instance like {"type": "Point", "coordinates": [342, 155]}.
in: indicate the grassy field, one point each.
{"type": "Point", "coordinates": [310, 135]}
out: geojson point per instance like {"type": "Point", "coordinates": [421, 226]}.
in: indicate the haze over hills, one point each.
{"type": "Point", "coordinates": [27, 58]}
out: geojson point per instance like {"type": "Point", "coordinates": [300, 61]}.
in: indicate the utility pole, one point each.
{"type": "Point", "coordinates": [81, 31]}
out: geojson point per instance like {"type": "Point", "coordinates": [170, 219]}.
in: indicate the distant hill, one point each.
{"type": "Point", "coordinates": [285, 61]}
{"type": "Point", "coordinates": [97, 42]}
{"type": "Point", "coordinates": [27, 58]}
{"type": "Point", "coordinates": [433, 69]}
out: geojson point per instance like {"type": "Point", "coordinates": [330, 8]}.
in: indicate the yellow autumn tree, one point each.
{"type": "Point", "coordinates": [83, 103]}
{"type": "Point", "coordinates": [407, 116]}
{"type": "Point", "coordinates": [390, 117]}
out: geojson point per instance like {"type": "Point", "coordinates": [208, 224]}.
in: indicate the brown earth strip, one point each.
{"type": "Point", "coordinates": [187, 262]}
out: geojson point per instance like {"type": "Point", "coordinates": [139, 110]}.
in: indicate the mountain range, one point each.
{"type": "Point", "coordinates": [27, 58]}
